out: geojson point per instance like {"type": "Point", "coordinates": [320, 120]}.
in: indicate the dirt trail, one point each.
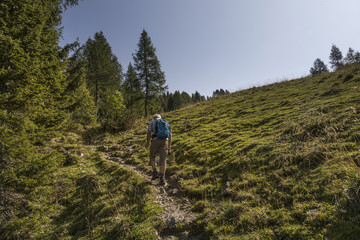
{"type": "Point", "coordinates": [177, 215]}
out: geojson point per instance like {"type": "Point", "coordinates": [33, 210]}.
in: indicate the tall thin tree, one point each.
{"type": "Point", "coordinates": [148, 69]}
{"type": "Point", "coordinates": [132, 89]}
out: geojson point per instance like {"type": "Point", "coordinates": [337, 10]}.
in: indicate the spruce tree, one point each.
{"type": "Point", "coordinates": [185, 99]}
{"type": "Point", "coordinates": [350, 56]}
{"type": "Point", "coordinates": [132, 90]}
{"type": "Point", "coordinates": [177, 100]}
{"type": "Point", "coordinates": [357, 57]}
{"type": "Point", "coordinates": [318, 67]}
{"type": "Point", "coordinates": [104, 73]}
{"type": "Point", "coordinates": [335, 57]}
{"type": "Point", "coordinates": [32, 86]}
{"type": "Point", "coordinates": [33, 101]}
{"type": "Point", "coordinates": [79, 103]}
{"type": "Point", "coordinates": [170, 102]}
{"type": "Point", "coordinates": [148, 69]}
{"type": "Point", "coordinates": [196, 97]}
{"type": "Point", "coordinates": [104, 79]}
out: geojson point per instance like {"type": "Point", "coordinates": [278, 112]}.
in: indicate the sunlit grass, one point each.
{"type": "Point", "coordinates": [289, 152]}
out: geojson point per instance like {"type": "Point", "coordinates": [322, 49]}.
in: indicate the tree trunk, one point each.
{"type": "Point", "coordinates": [146, 103]}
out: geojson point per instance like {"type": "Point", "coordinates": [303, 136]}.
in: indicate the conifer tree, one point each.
{"type": "Point", "coordinates": [79, 103]}
{"type": "Point", "coordinates": [335, 57]}
{"type": "Point", "coordinates": [104, 73]}
{"type": "Point", "coordinates": [318, 67]}
{"type": "Point", "coordinates": [104, 77]}
{"type": "Point", "coordinates": [32, 85]}
{"type": "Point", "coordinates": [196, 97]}
{"type": "Point", "coordinates": [176, 100]}
{"type": "Point", "coordinates": [357, 57]}
{"type": "Point", "coordinates": [33, 103]}
{"type": "Point", "coordinates": [148, 69]}
{"type": "Point", "coordinates": [350, 56]}
{"type": "Point", "coordinates": [185, 99]}
{"type": "Point", "coordinates": [132, 89]}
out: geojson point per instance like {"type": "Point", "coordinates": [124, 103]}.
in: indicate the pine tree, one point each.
{"type": "Point", "coordinates": [104, 79]}
{"type": "Point", "coordinates": [32, 85]}
{"type": "Point", "coordinates": [318, 67]}
{"type": "Point", "coordinates": [350, 56]}
{"type": "Point", "coordinates": [170, 102]}
{"type": "Point", "coordinates": [196, 97]}
{"type": "Point", "coordinates": [104, 73]}
{"type": "Point", "coordinates": [132, 90]}
{"type": "Point", "coordinates": [79, 104]}
{"type": "Point", "coordinates": [357, 57]}
{"type": "Point", "coordinates": [335, 57]}
{"type": "Point", "coordinates": [148, 69]}
{"type": "Point", "coordinates": [185, 99]}
{"type": "Point", "coordinates": [32, 103]}
{"type": "Point", "coordinates": [177, 100]}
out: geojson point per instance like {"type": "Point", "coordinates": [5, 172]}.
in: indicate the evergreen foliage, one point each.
{"type": "Point", "coordinates": [318, 67]}
{"type": "Point", "coordinates": [148, 70]}
{"type": "Point", "coordinates": [196, 97]}
{"type": "Point", "coordinates": [34, 104]}
{"type": "Point", "coordinates": [350, 57]}
{"type": "Point", "coordinates": [335, 57]}
{"type": "Point", "coordinates": [220, 92]}
{"type": "Point", "coordinates": [104, 77]}
{"type": "Point", "coordinates": [80, 104]}
{"type": "Point", "coordinates": [185, 98]}
{"type": "Point", "coordinates": [357, 57]}
{"type": "Point", "coordinates": [177, 100]}
{"type": "Point", "coordinates": [132, 91]}
{"type": "Point", "coordinates": [32, 87]}
{"type": "Point", "coordinates": [46, 89]}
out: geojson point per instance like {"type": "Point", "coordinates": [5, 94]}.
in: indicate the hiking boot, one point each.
{"type": "Point", "coordinates": [155, 175]}
{"type": "Point", "coordinates": [162, 181]}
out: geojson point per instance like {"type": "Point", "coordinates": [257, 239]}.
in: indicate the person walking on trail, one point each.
{"type": "Point", "coordinates": [159, 132]}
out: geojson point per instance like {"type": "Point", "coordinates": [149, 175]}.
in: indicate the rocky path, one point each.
{"type": "Point", "coordinates": [177, 215]}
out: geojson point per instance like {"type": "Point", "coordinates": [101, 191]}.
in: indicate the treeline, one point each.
{"type": "Point", "coordinates": [176, 100]}
{"type": "Point", "coordinates": [117, 96]}
{"type": "Point", "coordinates": [336, 60]}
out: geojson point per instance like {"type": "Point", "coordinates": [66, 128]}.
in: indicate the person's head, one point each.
{"type": "Point", "coordinates": [157, 116]}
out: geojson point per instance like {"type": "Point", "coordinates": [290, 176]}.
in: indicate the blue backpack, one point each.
{"type": "Point", "coordinates": [162, 129]}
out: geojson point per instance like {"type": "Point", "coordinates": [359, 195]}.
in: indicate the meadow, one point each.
{"type": "Point", "coordinates": [279, 161]}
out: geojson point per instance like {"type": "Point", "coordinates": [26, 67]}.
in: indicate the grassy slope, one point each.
{"type": "Point", "coordinates": [286, 153]}
{"type": "Point", "coordinates": [86, 197]}
{"type": "Point", "coordinates": [274, 162]}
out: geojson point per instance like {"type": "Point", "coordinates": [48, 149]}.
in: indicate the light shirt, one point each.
{"type": "Point", "coordinates": [152, 128]}
{"type": "Point", "coordinates": [152, 125]}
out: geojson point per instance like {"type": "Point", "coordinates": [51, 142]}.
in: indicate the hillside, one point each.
{"type": "Point", "coordinates": [279, 161]}
{"type": "Point", "coordinates": [274, 162]}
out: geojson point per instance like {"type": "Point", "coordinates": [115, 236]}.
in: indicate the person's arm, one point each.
{"type": "Point", "coordinates": [169, 143]}
{"type": "Point", "coordinates": [148, 137]}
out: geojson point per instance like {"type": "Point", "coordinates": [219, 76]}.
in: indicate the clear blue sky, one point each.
{"type": "Point", "coordinates": [206, 45]}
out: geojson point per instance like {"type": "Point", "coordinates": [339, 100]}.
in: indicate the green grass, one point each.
{"type": "Point", "coordinates": [87, 197]}
{"type": "Point", "coordinates": [289, 149]}
{"type": "Point", "coordinates": [286, 153]}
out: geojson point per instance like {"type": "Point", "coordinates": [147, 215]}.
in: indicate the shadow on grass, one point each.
{"type": "Point", "coordinates": [108, 203]}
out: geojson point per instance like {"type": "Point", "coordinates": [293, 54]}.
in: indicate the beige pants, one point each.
{"type": "Point", "coordinates": [159, 146]}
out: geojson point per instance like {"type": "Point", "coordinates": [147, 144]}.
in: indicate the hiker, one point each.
{"type": "Point", "coordinates": [159, 131]}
